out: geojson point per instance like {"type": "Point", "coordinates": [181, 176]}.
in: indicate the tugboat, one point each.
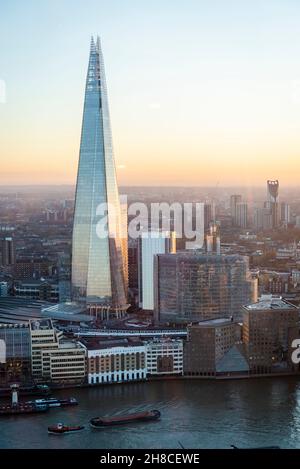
{"type": "Point", "coordinates": [17, 408]}
{"type": "Point", "coordinates": [53, 402]}
{"type": "Point", "coordinates": [60, 429]}
{"type": "Point", "coordinates": [100, 422]}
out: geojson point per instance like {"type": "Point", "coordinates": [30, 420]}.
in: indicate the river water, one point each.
{"type": "Point", "coordinates": [195, 414]}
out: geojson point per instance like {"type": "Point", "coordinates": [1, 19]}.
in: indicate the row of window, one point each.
{"type": "Point", "coordinates": [117, 378]}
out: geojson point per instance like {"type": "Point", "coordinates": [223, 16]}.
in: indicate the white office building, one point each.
{"type": "Point", "coordinates": [165, 357]}
{"type": "Point", "coordinates": [150, 244]}
{"type": "Point", "coordinates": [54, 359]}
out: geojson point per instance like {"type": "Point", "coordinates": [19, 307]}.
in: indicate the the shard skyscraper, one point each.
{"type": "Point", "coordinates": [98, 267]}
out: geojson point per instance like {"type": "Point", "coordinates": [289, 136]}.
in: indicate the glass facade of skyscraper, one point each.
{"type": "Point", "coordinates": [98, 274]}
{"type": "Point", "coordinates": [194, 286]}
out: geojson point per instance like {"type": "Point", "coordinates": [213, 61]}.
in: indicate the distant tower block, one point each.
{"type": "Point", "coordinates": [213, 243]}
{"type": "Point", "coordinates": [235, 199]}
{"type": "Point", "coordinates": [273, 189]}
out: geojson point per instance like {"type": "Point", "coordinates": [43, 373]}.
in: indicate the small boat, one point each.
{"type": "Point", "coordinates": [99, 422]}
{"type": "Point", "coordinates": [60, 429]}
{"type": "Point", "coordinates": [53, 402]}
{"type": "Point", "coordinates": [22, 408]}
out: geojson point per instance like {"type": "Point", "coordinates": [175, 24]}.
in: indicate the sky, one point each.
{"type": "Point", "coordinates": [201, 93]}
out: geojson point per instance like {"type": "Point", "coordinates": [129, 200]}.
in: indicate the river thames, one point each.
{"type": "Point", "coordinates": [195, 414]}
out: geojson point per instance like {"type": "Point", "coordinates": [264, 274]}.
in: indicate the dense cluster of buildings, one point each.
{"type": "Point", "coordinates": [258, 345]}
{"type": "Point", "coordinates": [38, 351]}
{"type": "Point", "coordinates": [236, 301]}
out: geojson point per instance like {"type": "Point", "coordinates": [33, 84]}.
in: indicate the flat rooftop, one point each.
{"type": "Point", "coordinates": [97, 344]}
{"type": "Point", "coordinates": [270, 303]}
{"type": "Point", "coordinates": [69, 344]}
{"type": "Point", "coordinates": [35, 283]}
{"type": "Point", "coordinates": [215, 322]}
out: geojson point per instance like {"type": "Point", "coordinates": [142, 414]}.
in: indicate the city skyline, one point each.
{"type": "Point", "coordinates": [207, 98]}
{"type": "Point", "coordinates": [149, 229]}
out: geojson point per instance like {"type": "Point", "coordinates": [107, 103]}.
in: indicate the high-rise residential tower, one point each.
{"type": "Point", "coordinates": [234, 200]}
{"type": "Point", "coordinates": [98, 267]}
{"type": "Point", "coordinates": [272, 203]}
{"type": "Point", "coordinates": [213, 241]}
{"type": "Point", "coordinates": [262, 218]}
{"type": "Point", "coordinates": [7, 251]}
{"type": "Point", "coordinates": [241, 215]}
{"type": "Point", "coordinates": [285, 213]}
{"type": "Point", "coordinates": [209, 215]}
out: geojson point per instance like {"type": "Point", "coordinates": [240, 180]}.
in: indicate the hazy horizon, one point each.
{"type": "Point", "coordinates": [216, 187]}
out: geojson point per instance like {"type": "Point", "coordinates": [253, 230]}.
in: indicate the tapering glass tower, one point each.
{"type": "Point", "coordinates": [98, 269]}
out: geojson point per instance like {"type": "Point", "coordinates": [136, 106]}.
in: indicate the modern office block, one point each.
{"type": "Point", "coordinates": [192, 286]}
{"type": "Point", "coordinates": [269, 327]}
{"type": "Point", "coordinates": [213, 347]}
{"type": "Point", "coordinates": [149, 244]}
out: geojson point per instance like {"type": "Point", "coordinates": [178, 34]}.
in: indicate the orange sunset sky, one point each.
{"type": "Point", "coordinates": [198, 96]}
